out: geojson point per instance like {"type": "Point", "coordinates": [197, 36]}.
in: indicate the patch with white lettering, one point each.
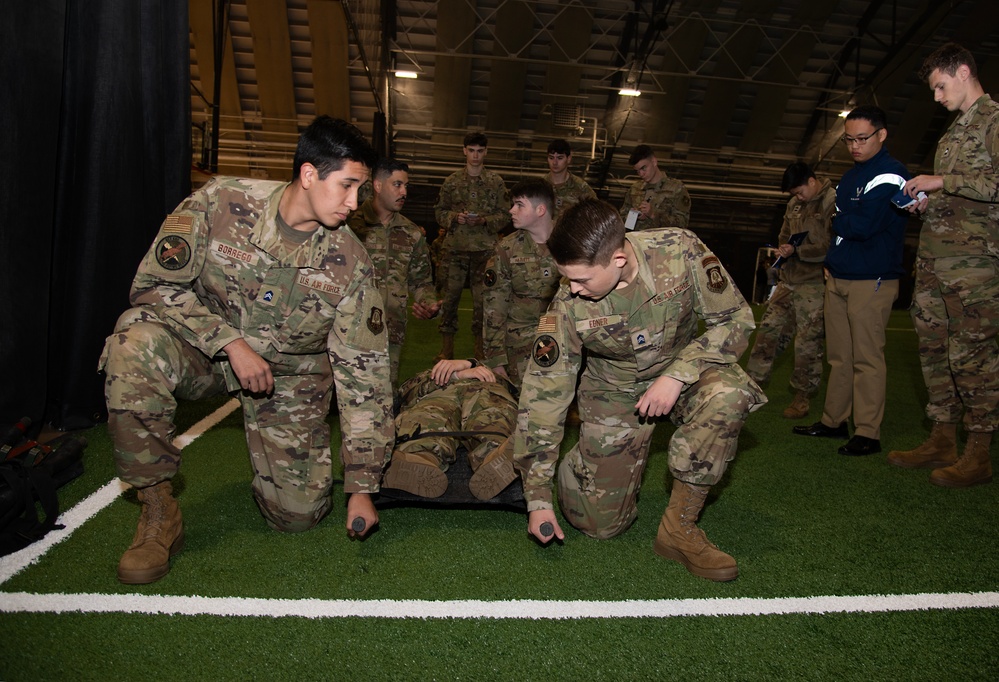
{"type": "Point", "coordinates": [545, 351]}
{"type": "Point", "coordinates": [173, 252]}
{"type": "Point", "coordinates": [232, 253]}
{"type": "Point", "coordinates": [376, 322]}
{"type": "Point", "coordinates": [712, 269]}
{"type": "Point", "coordinates": [523, 259]}
{"type": "Point", "coordinates": [320, 284]}
{"type": "Point", "coordinates": [597, 322]}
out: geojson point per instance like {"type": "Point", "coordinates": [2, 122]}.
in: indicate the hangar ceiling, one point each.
{"type": "Point", "coordinates": [731, 92]}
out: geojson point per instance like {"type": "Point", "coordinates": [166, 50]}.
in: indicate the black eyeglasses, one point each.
{"type": "Point", "coordinates": [860, 140]}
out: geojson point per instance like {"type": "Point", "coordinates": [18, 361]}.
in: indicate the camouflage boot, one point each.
{"type": "Point", "coordinates": [417, 473]}
{"type": "Point", "coordinates": [681, 540]}
{"type": "Point", "coordinates": [159, 536]}
{"type": "Point", "coordinates": [798, 409]}
{"type": "Point", "coordinates": [496, 471]}
{"type": "Point", "coordinates": [939, 450]}
{"type": "Point", "coordinates": [447, 348]}
{"type": "Point", "coordinates": [974, 467]}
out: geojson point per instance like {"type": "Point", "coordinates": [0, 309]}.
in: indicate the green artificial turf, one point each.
{"type": "Point", "coordinates": [801, 520]}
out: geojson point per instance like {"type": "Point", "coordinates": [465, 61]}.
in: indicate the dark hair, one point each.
{"type": "Point", "coordinates": [869, 112]}
{"type": "Point", "coordinates": [476, 138]}
{"type": "Point", "coordinates": [327, 143]}
{"type": "Point", "coordinates": [587, 233]}
{"type": "Point", "coordinates": [795, 175]}
{"type": "Point", "coordinates": [948, 58]}
{"type": "Point", "coordinates": [559, 147]}
{"type": "Point", "coordinates": [537, 191]}
{"type": "Point", "coordinates": [386, 167]}
{"type": "Point", "coordinates": [642, 151]}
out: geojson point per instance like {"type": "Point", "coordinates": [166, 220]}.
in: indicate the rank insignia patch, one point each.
{"type": "Point", "coordinates": [489, 278]}
{"type": "Point", "coordinates": [545, 351]}
{"type": "Point", "coordinates": [376, 321]}
{"type": "Point", "coordinates": [173, 252]}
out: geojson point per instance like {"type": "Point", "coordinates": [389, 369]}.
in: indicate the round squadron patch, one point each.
{"type": "Point", "coordinates": [173, 252]}
{"type": "Point", "coordinates": [376, 321]}
{"type": "Point", "coordinates": [545, 350]}
{"type": "Point", "coordinates": [716, 280]}
{"type": "Point", "coordinates": [489, 278]}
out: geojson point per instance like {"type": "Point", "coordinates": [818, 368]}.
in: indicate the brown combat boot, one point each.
{"type": "Point", "coordinates": [447, 348]}
{"type": "Point", "coordinates": [939, 450]}
{"type": "Point", "coordinates": [974, 467]}
{"type": "Point", "coordinates": [159, 536]}
{"type": "Point", "coordinates": [798, 409]}
{"type": "Point", "coordinates": [681, 540]}
{"type": "Point", "coordinates": [495, 473]}
{"type": "Point", "coordinates": [416, 473]}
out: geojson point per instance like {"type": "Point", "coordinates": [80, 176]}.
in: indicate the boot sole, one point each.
{"type": "Point", "coordinates": [419, 479]}
{"type": "Point", "coordinates": [720, 575]}
{"type": "Point", "coordinates": [151, 575]}
{"type": "Point", "coordinates": [930, 464]}
{"type": "Point", "coordinates": [492, 478]}
{"type": "Point", "coordinates": [945, 483]}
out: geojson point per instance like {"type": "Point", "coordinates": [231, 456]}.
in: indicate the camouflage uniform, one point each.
{"type": "Point", "coordinates": [796, 303]}
{"type": "Point", "coordinates": [955, 307]}
{"type": "Point", "coordinates": [669, 201]}
{"type": "Point", "coordinates": [401, 260]}
{"type": "Point", "coordinates": [219, 270]}
{"type": "Point", "coordinates": [466, 248]}
{"type": "Point", "coordinates": [569, 193]}
{"type": "Point", "coordinates": [463, 405]}
{"type": "Point", "coordinates": [633, 336]}
{"type": "Point", "coordinates": [520, 280]}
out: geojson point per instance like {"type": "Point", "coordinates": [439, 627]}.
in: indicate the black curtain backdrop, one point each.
{"type": "Point", "coordinates": [94, 152]}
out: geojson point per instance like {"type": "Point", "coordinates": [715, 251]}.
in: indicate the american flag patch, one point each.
{"type": "Point", "coordinates": [547, 324]}
{"type": "Point", "coordinates": [179, 224]}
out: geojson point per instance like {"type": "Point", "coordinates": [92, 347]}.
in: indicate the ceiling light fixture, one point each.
{"type": "Point", "coordinates": [405, 74]}
{"type": "Point", "coordinates": [629, 92]}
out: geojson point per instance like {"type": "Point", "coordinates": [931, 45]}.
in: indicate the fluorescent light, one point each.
{"type": "Point", "coordinates": [405, 74]}
{"type": "Point", "coordinates": [629, 92]}
{"type": "Point", "coordinates": [844, 113]}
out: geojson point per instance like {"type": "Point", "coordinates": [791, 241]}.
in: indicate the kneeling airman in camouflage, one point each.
{"type": "Point", "coordinates": [633, 302]}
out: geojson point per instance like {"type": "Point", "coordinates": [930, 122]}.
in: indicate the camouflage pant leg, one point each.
{"type": "Point", "coordinates": [709, 416]}
{"type": "Point", "coordinates": [773, 335]}
{"type": "Point", "coordinates": [148, 366]}
{"type": "Point", "coordinates": [289, 443]}
{"type": "Point", "coordinates": [486, 406]}
{"type": "Point", "coordinates": [439, 411]}
{"type": "Point", "coordinates": [599, 478]}
{"type": "Point", "coordinates": [810, 337]}
{"type": "Point", "coordinates": [456, 272]}
{"type": "Point", "coordinates": [397, 337]}
{"type": "Point", "coordinates": [955, 310]}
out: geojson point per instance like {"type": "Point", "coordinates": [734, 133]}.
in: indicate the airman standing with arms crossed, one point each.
{"type": "Point", "coordinates": [656, 199]}
{"type": "Point", "coordinates": [634, 301]}
{"type": "Point", "coordinates": [955, 307]}
{"type": "Point", "coordinates": [569, 189]}
{"type": "Point", "coordinates": [472, 209]}
{"type": "Point", "coordinates": [250, 288]}
{"type": "Point", "coordinates": [399, 253]}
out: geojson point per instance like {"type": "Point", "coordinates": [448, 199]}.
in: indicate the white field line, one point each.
{"type": "Point", "coordinates": [23, 602]}
{"type": "Point", "coordinates": [12, 564]}
{"type": "Point", "coordinates": [516, 609]}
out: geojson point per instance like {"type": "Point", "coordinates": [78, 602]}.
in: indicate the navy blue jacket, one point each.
{"type": "Point", "coordinates": [868, 229]}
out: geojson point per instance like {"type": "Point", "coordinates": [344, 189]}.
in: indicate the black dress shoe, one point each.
{"type": "Point", "coordinates": [820, 429]}
{"type": "Point", "coordinates": [859, 446]}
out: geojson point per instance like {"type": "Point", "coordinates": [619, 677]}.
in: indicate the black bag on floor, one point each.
{"type": "Point", "coordinates": [30, 473]}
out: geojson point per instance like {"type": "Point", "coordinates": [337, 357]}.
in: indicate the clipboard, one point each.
{"type": "Point", "coordinates": [794, 240]}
